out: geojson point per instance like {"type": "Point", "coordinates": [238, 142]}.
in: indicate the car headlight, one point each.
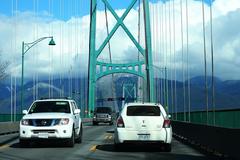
{"type": "Point", "coordinates": [25, 122]}
{"type": "Point", "coordinates": [64, 121]}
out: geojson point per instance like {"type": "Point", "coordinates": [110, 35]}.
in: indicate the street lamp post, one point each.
{"type": "Point", "coordinates": [25, 48]}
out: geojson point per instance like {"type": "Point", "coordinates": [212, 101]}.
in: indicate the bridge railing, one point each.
{"type": "Point", "coordinates": [228, 118]}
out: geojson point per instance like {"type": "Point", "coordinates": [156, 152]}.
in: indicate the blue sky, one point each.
{"type": "Point", "coordinates": [69, 7]}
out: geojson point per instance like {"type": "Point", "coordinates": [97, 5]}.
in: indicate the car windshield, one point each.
{"type": "Point", "coordinates": [143, 111]}
{"type": "Point", "coordinates": [50, 106]}
{"type": "Point", "coordinates": [103, 110]}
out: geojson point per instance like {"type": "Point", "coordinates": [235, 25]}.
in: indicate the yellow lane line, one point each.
{"type": "Point", "coordinates": [93, 148]}
{"type": "Point", "coordinates": [4, 146]}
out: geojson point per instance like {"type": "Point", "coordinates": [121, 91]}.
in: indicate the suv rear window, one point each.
{"type": "Point", "coordinates": [50, 106]}
{"type": "Point", "coordinates": [143, 111]}
{"type": "Point", "coordinates": [103, 110]}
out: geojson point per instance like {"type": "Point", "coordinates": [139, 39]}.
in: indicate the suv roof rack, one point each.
{"type": "Point", "coordinates": [42, 98]}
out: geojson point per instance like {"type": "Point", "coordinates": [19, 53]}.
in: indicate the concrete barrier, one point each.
{"type": "Point", "coordinates": [9, 127]}
{"type": "Point", "coordinates": [219, 139]}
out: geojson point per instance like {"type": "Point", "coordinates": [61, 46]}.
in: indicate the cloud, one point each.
{"type": "Point", "coordinates": [72, 36]}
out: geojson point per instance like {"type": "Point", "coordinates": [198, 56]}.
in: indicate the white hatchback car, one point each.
{"type": "Point", "coordinates": [51, 119]}
{"type": "Point", "coordinates": [144, 123]}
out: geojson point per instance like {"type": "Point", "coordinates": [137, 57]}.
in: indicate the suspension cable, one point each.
{"type": "Point", "coordinates": [188, 74]}
{"type": "Point", "coordinates": [109, 51]}
{"type": "Point", "coordinates": [170, 55]}
{"type": "Point", "coordinates": [205, 60]}
{"type": "Point", "coordinates": [212, 59]}
{"type": "Point", "coordinates": [183, 74]}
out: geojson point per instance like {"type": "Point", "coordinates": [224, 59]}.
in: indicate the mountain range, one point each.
{"type": "Point", "coordinates": [227, 92]}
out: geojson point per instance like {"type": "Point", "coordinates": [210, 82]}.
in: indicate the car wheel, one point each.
{"type": "Point", "coordinates": [24, 142]}
{"type": "Point", "coordinates": [95, 123]}
{"type": "Point", "coordinates": [71, 141]}
{"type": "Point", "coordinates": [168, 147]}
{"type": "Point", "coordinates": [79, 138]}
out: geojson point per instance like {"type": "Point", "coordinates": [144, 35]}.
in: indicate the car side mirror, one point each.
{"type": "Point", "coordinates": [24, 111]}
{"type": "Point", "coordinates": [77, 111]}
{"type": "Point", "coordinates": [91, 111]}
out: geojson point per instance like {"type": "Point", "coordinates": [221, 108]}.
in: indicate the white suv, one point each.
{"type": "Point", "coordinates": [143, 123]}
{"type": "Point", "coordinates": [51, 119]}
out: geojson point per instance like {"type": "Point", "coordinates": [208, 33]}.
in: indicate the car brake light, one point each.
{"type": "Point", "coordinates": [120, 122]}
{"type": "Point", "coordinates": [166, 123]}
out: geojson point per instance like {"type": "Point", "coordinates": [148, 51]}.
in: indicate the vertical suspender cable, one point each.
{"type": "Point", "coordinates": [212, 59]}
{"type": "Point", "coordinates": [183, 74]}
{"type": "Point", "coordinates": [15, 83]}
{"type": "Point", "coordinates": [139, 22]}
{"type": "Point", "coordinates": [110, 53]}
{"type": "Point", "coordinates": [166, 47]}
{"type": "Point", "coordinates": [170, 57]}
{"type": "Point", "coordinates": [205, 61]}
{"type": "Point", "coordinates": [188, 74]}
{"type": "Point", "coordinates": [11, 110]}
{"type": "Point", "coordinates": [175, 72]}
{"type": "Point", "coordinates": [161, 52]}
{"type": "Point", "coordinates": [157, 55]}
{"type": "Point", "coordinates": [49, 75]}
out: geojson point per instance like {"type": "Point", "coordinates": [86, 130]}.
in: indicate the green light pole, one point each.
{"type": "Point", "coordinates": [25, 48]}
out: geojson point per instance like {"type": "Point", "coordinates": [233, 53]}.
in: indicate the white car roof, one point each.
{"type": "Point", "coordinates": [143, 104]}
{"type": "Point", "coordinates": [57, 99]}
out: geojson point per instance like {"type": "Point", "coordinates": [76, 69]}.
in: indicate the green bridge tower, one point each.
{"type": "Point", "coordinates": [110, 68]}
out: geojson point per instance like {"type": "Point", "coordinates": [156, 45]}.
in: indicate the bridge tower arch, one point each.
{"type": "Point", "coordinates": [110, 68]}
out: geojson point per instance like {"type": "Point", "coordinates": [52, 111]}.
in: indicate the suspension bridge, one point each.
{"type": "Point", "coordinates": [107, 53]}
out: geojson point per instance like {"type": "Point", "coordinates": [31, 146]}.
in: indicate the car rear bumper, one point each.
{"type": "Point", "coordinates": [105, 120]}
{"type": "Point", "coordinates": [122, 135]}
{"type": "Point", "coordinates": [53, 132]}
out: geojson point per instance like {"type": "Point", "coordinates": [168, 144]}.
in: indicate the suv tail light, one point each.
{"type": "Point", "coordinates": [120, 122]}
{"type": "Point", "coordinates": [166, 123]}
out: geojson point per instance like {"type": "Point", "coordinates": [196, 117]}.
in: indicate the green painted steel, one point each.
{"type": "Point", "coordinates": [8, 118]}
{"type": "Point", "coordinates": [223, 118]}
{"type": "Point", "coordinates": [110, 68]}
{"type": "Point", "coordinates": [92, 58]}
{"type": "Point", "coordinates": [148, 57]}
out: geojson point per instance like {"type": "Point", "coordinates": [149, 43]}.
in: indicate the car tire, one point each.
{"type": "Point", "coordinates": [79, 138]}
{"type": "Point", "coordinates": [71, 141]}
{"type": "Point", "coordinates": [24, 142]}
{"type": "Point", "coordinates": [168, 147]}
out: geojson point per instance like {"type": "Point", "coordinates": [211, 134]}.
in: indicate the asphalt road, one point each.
{"type": "Point", "coordinates": [97, 145]}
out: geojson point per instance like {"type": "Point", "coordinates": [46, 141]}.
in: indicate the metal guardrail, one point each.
{"type": "Point", "coordinates": [227, 118]}
{"type": "Point", "coordinates": [13, 127]}
{"type": "Point", "coordinates": [222, 140]}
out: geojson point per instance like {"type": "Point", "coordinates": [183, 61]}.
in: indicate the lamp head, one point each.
{"type": "Point", "coordinates": [51, 42]}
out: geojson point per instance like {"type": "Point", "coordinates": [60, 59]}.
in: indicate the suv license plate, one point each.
{"type": "Point", "coordinates": [144, 137]}
{"type": "Point", "coordinates": [42, 135]}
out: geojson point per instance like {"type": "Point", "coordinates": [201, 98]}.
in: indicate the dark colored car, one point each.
{"type": "Point", "coordinates": [103, 115]}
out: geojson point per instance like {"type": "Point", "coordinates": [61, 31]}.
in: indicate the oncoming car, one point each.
{"type": "Point", "coordinates": [103, 115]}
{"type": "Point", "coordinates": [143, 123]}
{"type": "Point", "coordinates": [51, 119]}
